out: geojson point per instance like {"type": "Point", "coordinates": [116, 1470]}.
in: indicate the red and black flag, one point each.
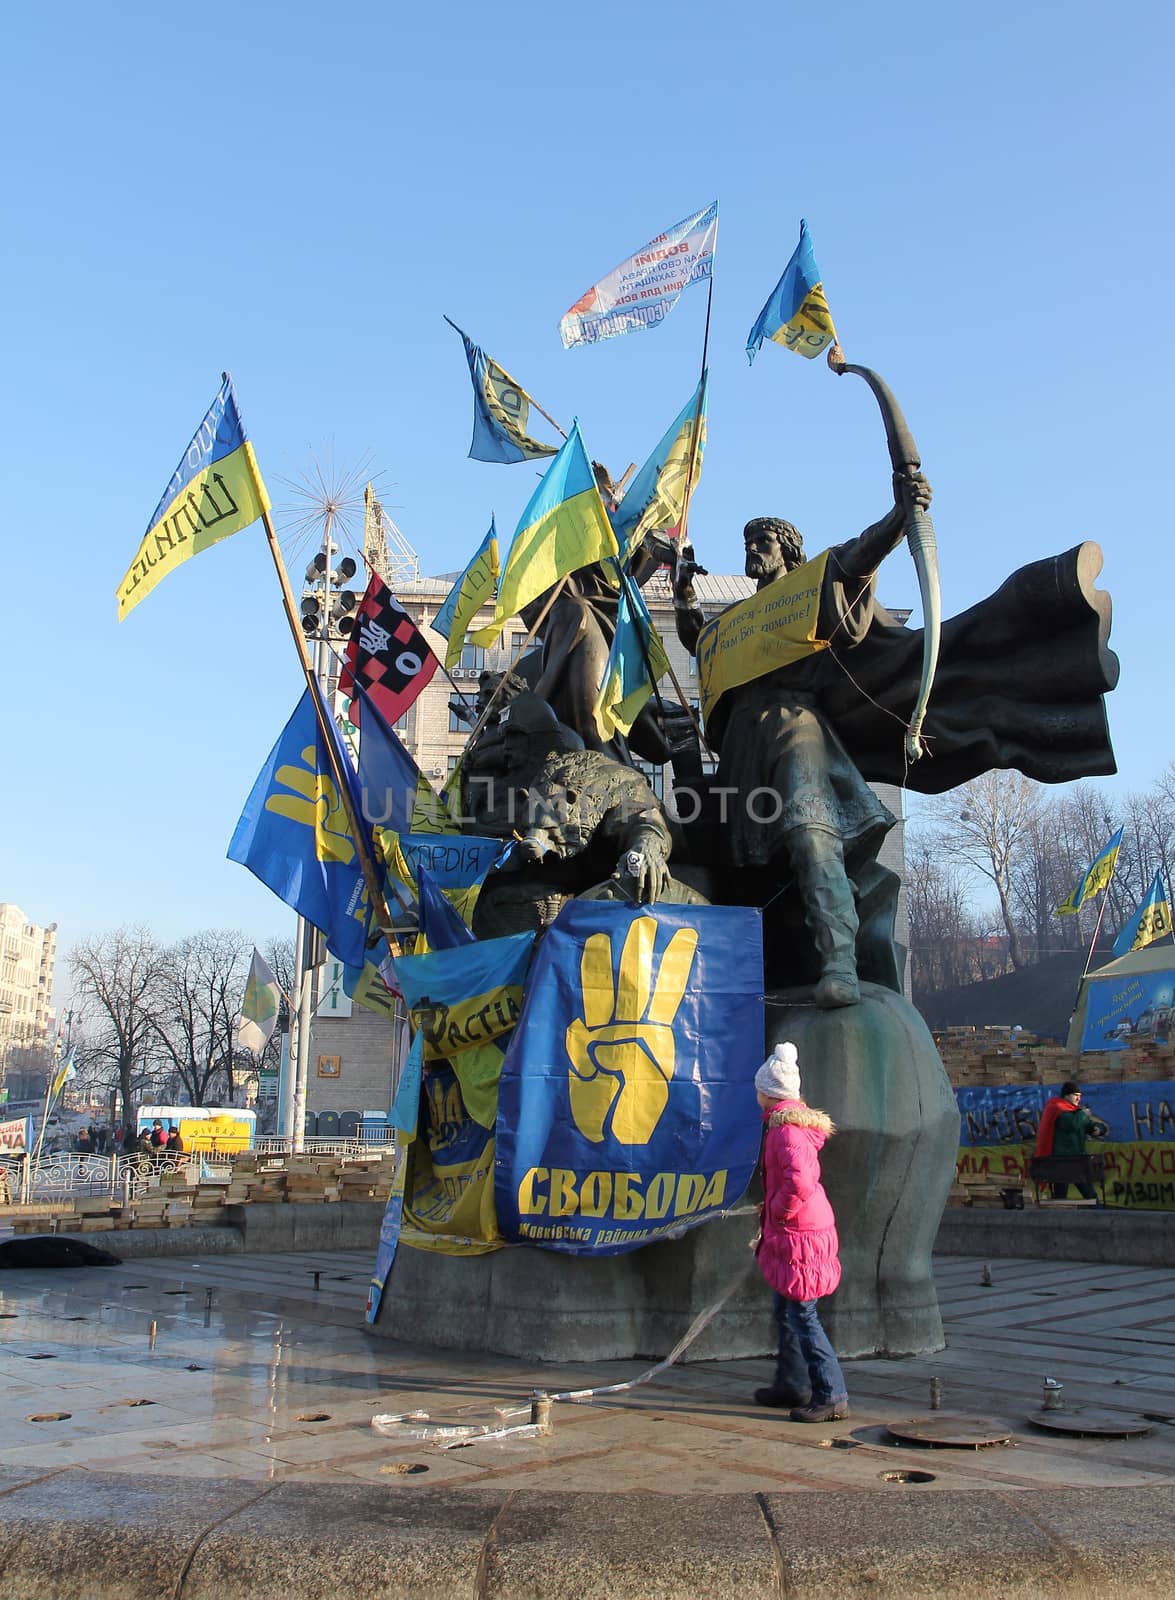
{"type": "Point", "coordinates": [387, 654]}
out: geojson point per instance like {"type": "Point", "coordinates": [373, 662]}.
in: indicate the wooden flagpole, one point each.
{"type": "Point", "coordinates": [1101, 913]}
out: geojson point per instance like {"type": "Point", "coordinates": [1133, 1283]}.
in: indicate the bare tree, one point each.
{"type": "Point", "coordinates": [198, 1007]}
{"type": "Point", "coordinates": [987, 824]}
{"type": "Point", "coordinates": [944, 934]}
{"type": "Point", "coordinates": [115, 978]}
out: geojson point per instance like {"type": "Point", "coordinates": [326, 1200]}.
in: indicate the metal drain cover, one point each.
{"type": "Point", "coordinates": [1100, 1424]}
{"type": "Point", "coordinates": [949, 1432]}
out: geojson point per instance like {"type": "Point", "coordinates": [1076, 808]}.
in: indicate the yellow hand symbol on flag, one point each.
{"type": "Point", "coordinates": [315, 803]}
{"type": "Point", "coordinates": [622, 1049]}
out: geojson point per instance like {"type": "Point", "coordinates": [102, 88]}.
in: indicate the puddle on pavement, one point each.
{"type": "Point", "coordinates": [404, 1467]}
{"type": "Point", "coordinates": [906, 1477]}
{"type": "Point", "coordinates": [49, 1416]}
{"type": "Point", "coordinates": [312, 1416]}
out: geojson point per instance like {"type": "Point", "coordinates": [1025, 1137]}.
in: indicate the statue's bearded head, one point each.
{"type": "Point", "coordinates": [773, 547]}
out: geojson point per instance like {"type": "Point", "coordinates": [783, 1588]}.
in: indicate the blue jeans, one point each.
{"type": "Point", "coordinates": [806, 1360]}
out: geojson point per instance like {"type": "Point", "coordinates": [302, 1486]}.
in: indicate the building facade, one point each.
{"type": "Point", "coordinates": [27, 957]}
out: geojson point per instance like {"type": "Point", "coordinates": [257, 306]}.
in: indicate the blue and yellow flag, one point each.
{"type": "Point", "coordinates": [628, 683]}
{"type": "Point", "coordinates": [563, 528]}
{"type": "Point", "coordinates": [457, 864]}
{"type": "Point", "coordinates": [64, 1073]}
{"type": "Point", "coordinates": [216, 490]}
{"type": "Point", "coordinates": [441, 926]}
{"type": "Point", "coordinates": [393, 791]}
{"type": "Point", "coordinates": [293, 834]}
{"type": "Point", "coordinates": [655, 499]}
{"type": "Point", "coordinates": [1151, 921]}
{"type": "Point", "coordinates": [1098, 875]}
{"type": "Point", "coordinates": [464, 997]}
{"type": "Point", "coordinates": [501, 411]}
{"type": "Point", "coordinates": [473, 589]}
{"type": "Point", "coordinates": [796, 315]}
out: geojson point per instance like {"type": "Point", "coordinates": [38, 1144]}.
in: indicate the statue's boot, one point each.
{"type": "Point", "coordinates": [830, 915]}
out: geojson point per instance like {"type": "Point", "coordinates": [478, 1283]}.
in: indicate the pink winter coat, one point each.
{"type": "Point", "coordinates": [798, 1250]}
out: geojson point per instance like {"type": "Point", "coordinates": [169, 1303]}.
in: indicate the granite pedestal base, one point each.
{"type": "Point", "coordinates": [539, 1303]}
{"type": "Point", "coordinates": [875, 1069]}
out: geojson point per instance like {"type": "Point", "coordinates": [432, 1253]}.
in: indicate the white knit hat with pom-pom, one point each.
{"type": "Point", "coordinates": [779, 1076]}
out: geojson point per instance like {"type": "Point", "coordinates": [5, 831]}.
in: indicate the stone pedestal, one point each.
{"type": "Point", "coordinates": [552, 1307]}
{"type": "Point", "coordinates": [874, 1068]}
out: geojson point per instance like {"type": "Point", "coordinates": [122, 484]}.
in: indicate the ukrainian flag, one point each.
{"type": "Point", "coordinates": [472, 590]}
{"type": "Point", "coordinates": [216, 490]}
{"type": "Point", "coordinates": [628, 683]}
{"type": "Point", "coordinates": [655, 499]}
{"type": "Point", "coordinates": [796, 316]}
{"type": "Point", "coordinates": [1101, 870]}
{"type": "Point", "coordinates": [564, 527]}
{"type": "Point", "coordinates": [1151, 921]}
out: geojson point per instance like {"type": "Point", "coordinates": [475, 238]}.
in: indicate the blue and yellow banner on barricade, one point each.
{"type": "Point", "coordinates": [627, 1107]}
{"type": "Point", "coordinates": [1129, 1008]}
{"type": "Point", "coordinates": [770, 629]}
{"type": "Point", "coordinates": [998, 1135]}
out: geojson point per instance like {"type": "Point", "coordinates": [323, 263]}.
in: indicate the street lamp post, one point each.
{"type": "Point", "coordinates": [327, 617]}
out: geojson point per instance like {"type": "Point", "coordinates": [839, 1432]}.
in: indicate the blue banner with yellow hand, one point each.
{"type": "Point", "coordinates": [627, 1107]}
{"type": "Point", "coordinates": [294, 835]}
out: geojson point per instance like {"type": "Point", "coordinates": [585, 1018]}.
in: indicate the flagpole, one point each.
{"type": "Point", "coordinates": [525, 646]}
{"type": "Point", "coordinates": [1101, 913]}
{"type": "Point", "coordinates": [693, 454]}
{"type": "Point", "coordinates": [370, 877]}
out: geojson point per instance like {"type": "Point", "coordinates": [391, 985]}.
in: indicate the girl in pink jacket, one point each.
{"type": "Point", "coordinates": [798, 1246]}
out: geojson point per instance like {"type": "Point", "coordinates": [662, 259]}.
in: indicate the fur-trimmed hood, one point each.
{"type": "Point", "coordinates": [799, 1115]}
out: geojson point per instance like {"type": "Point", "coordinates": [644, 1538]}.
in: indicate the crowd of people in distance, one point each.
{"type": "Point", "coordinates": [153, 1145]}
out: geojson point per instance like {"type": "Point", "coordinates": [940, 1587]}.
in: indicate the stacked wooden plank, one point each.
{"type": "Point", "coordinates": [992, 1058]}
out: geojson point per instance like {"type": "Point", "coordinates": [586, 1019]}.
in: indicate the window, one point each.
{"type": "Point", "coordinates": [517, 640]}
{"type": "Point", "coordinates": [654, 776]}
{"type": "Point", "coordinates": [401, 723]}
{"type": "Point", "coordinates": [453, 760]}
{"type": "Point", "coordinates": [473, 658]}
{"type": "Point", "coordinates": [457, 724]}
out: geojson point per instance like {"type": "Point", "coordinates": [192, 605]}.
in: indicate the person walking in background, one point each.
{"type": "Point", "coordinates": [798, 1245]}
{"type": "Point", "coordinates": [1065, 1125]}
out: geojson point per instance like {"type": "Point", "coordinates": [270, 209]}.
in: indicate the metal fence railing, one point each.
{"type": "Point", "coordinates": [25, 1179]}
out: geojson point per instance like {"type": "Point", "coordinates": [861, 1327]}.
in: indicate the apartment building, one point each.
{"type": "Point", "coordinates": [27, 957]}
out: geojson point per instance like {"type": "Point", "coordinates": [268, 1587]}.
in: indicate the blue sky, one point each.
{"type": "Point", "coordinates": [298, 193]}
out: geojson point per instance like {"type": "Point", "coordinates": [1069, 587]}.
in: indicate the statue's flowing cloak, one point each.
{"type": "Point", "coordinates": [1020, 681]}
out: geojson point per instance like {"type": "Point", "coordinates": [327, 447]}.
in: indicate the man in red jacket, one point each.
{"type": "Point", "coordinates": [1064, 1127]}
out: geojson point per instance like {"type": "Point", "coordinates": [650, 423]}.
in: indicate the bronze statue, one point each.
{"type": "Point", "coordinates": [776, 737]}
{"type": "Point", "coordinates": [583, 823]}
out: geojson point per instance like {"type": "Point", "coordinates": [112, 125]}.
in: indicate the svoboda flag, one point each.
{"type": "Point", "coordinates": [626, 1110]}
